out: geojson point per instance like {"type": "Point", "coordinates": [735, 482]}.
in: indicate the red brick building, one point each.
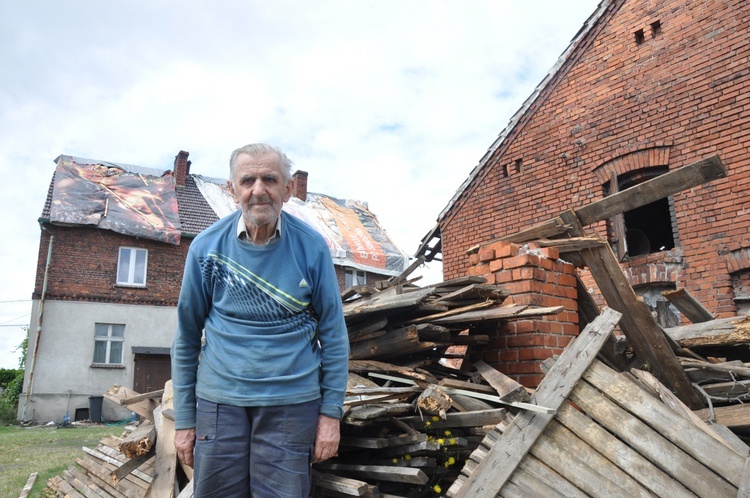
{"type": "Point", "coordinates": [644, 88]}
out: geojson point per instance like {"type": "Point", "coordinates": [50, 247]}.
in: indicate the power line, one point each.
{"type": "Point", "coordinates": [16, 318]}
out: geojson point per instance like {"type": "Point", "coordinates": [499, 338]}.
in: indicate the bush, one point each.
{"type": "Point", "coordinates": [13, 384]}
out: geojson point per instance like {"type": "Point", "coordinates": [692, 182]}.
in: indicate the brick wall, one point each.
{"type": "Point", "coordinates": [84, 267]}
{"type": "Point", "coordinates": [534, 277]}
{"type": "Point", "coordinates": [680, 95]}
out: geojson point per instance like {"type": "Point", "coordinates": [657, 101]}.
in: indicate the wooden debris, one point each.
{"type": "Point", "coordinates": [139, 442]}
{"type": "Point", "coordinates": [29, 484]}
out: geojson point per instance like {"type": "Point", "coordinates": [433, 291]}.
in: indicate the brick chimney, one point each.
{"type": "Point", "coordinates": [300, 185]}
{"type": "Point", "coordinates": [181, 167]}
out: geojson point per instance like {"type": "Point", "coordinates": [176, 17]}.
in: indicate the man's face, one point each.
{"type": "Point", "coordinates": [259, 188]}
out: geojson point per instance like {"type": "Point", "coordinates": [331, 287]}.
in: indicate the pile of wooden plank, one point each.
{"type": "Point", "coordinates": [410, 420]}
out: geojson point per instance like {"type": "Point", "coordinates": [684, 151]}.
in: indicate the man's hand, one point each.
{"type": "Point", "coordinates": [327, 438]}
{"type": "Point", "coordinates": [184, 441]}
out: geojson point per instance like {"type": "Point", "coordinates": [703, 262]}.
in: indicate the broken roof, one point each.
{"type": "Point", "coordinates": [147, 203]}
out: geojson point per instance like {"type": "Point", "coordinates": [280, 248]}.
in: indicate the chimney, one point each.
{"type": "Point", "coordinates": [300, 185]}
{"type": "Point", "coordinates": [181, 167]}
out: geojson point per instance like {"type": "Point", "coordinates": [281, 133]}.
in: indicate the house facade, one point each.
{"type": "Point", "coordinates": [113, 243]}
{"type": "Point", "coordinates": [644, 88]}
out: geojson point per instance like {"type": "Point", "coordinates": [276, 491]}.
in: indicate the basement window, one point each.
{"type": "Point", "coordinates": [644, 230]}
{"type": "Point", "coordinates": [108, 341]}
{"type": "Point", "coordinates": [131, 267]}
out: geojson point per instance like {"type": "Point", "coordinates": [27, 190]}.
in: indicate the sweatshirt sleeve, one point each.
{"type": "Point", "coordinates": [333, 335]}
{"type": "Point", "coordinates": [192, 309]}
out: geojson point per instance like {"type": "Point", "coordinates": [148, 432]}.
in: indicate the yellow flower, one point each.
{"type": "Point", "coordinates": [427, 423]}
{"type": "Point", "coordinates": [441, 441]}
{"type": "Point", "coordinates": [395, 460]}
{"type": "Point", "coordinates": [447, 433]}
{"type": "Point", "coordinates": [451, 461]}
{"type": "Point", "coordinates": [452, 441]}
{"type": "Point", "coordinates": [435, 418]}
{"type": "Point", "coordinates": [407, 457]}
{"type": "Point", "coordinates": [437, 488]}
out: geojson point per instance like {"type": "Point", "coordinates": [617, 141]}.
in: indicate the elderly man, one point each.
{"type": "Point", "coordinates": [261, 400]}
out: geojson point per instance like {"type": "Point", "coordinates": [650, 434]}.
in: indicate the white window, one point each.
{"type": "Point", "coordinates": [354, 277]}
{"type": "Point", "coordinates": [108, 341]}
{"type": "Point", "coordinates": [131, 266]}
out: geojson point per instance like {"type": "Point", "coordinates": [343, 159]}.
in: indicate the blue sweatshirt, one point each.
{"type": "Point", "coordinates": [273, 320]}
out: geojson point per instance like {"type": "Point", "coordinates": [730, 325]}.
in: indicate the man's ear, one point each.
{"type": "Point", "coordinates": [289, 190]}
{"type": "Point", "coordinates": [230, 187]}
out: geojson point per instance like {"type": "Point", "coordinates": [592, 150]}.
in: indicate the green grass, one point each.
{"type": "Point", "coordinates": [45, 450]}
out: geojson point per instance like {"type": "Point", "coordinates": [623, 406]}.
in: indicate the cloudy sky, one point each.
{"type": "Point", "coordinates": [392, 102]}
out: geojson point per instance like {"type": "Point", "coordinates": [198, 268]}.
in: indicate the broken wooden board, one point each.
{"type": "Point", "coordinates": [498, 313]}
{"type": "Point", "coordinates": [500, 462]}
{"type": "Point", "coordinates": [688, 305]}
{"type": "Point", "coordinates": [644, 335]}
{"type": "Point", "coordinates": [164, 484]}
{"type": "Point", "coordinates": [144, 408]}
{"type": "Point", "coordinates": [140, 441]}
{"type": "Point", "coordinates": [388, 301]}
{"type": "Point", "coordinates": [719, 332]}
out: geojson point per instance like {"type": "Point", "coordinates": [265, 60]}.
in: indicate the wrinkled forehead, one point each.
{"type": "Point", "coordinates": [257, 163]}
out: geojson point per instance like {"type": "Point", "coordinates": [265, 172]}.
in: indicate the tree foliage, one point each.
{"type": "Point", "coordinates": [12, 381]}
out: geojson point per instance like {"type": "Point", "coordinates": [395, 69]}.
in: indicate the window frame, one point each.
{"type": "Point", "coordinates": [132, 267]}
{"type": "Point", "coordinates": [109, 339]}
{"type": "Point", "coordinates": [352, 277]}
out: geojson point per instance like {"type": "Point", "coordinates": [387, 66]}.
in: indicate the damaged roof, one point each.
{"type": "Point", "coordinates": [148, 203]}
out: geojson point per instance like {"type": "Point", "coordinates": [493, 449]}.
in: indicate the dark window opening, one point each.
{"type": "Point", "coordinates": [644, 230]}
{"type": "Point", "coordinates": [655, 28]}
{"type": "Point", "coordinates": [505, 171]}
{"type": "Point", "coordinates": [640, 37]}
{"type": "Point", "coordinates": [519, 163]}
{"type": "Point", "coordinates": [648, 229]}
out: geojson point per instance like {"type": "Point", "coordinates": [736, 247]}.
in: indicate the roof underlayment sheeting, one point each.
{"type": "Point", "coordinates": [352, 232]}
{"type": "Point", "coordinates": [115, 197]}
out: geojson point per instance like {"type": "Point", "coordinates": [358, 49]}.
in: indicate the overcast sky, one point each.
{"type": "Point", "coordinates": [392, 102]}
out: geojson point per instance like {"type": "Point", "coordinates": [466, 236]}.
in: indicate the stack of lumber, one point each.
{"type": "Point", "coordinates": [411, 421]}
{"type": "Point", "coordinates": [105, 471]}
{"type": "Point", "coordinates": [140, 463]}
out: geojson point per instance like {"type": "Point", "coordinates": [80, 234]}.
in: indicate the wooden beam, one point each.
{"type": "Point", "coordinates": [163, 485]}
{"type": "Point", "coordinates": [662, 186]}
{"type": "Point", "coordinates": [645, 336]}
{"type": "Point", "coordinates": [140, 397]}
{"type": "Point", "coordinates": [720, 332]}
{"type": "Point", "coordinates": [507, 388]}
{"type": "Point", "coordinates": [688, 305]}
